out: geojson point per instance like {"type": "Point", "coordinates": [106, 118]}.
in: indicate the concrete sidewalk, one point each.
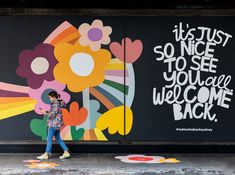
{"type": "Point", "coordinates": [106, 164]}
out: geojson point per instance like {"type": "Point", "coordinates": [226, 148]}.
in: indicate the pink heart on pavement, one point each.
{"type": "Point", "coordinates": [133, 50]}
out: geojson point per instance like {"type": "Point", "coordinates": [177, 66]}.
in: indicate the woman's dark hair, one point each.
{"type": "Point", "coordinates": [54, 94]}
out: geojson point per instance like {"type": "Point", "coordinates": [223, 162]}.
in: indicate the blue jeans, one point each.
{"type": "Point", "coordinates": [52, 132]}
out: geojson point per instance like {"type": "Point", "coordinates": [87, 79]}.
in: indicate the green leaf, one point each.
{"type": "Point", "coordinates": [77, 134]}
{"type": "Point", "coordinates": [39, 127]}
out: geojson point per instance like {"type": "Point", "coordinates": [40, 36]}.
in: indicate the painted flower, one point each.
{"type": "Point", "coordinates": [79, 67]}
{"type": "Point", "coordinates": [138, 158]}
{"type": "Point", "coordinates": [94, 35]}
{"type": "Point", "coordinates": [37, 65]}
{"type": "Point", "coordinates": [41, 94]}
{"type": "Point", "coordinates": [113, 119]}
{"type": "Point", "coordinates": [75, 116]}
{"type": "Point", "coordinates": [42, 165]}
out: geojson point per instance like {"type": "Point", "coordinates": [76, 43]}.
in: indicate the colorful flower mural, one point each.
{"type": "Point", "coordinates": [72, 60]}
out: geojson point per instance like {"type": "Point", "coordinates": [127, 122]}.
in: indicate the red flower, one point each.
{"type": "Point", "coordinates": [75, 116]}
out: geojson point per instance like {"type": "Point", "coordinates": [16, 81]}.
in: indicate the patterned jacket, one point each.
{"type": "Point", "coordinates": [54, 116]}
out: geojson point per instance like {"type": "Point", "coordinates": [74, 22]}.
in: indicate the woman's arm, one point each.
{"type": "Point", "coordinates": [62, 103]}
{"type": "Point", "coordinates": [52, 113]}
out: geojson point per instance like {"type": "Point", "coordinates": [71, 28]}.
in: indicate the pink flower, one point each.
{"type": "Point", "coordinates": [41, 94]}
{"type": "Point", "coordinates": [94, 35]}
{"type": "Point", "coordinates": [138, 158]}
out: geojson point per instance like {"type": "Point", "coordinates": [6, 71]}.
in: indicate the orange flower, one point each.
{"type": "Point", "coordinates": [80, 67]}
{"type": "Point", "coordinates": [75, 116]}
{"type": "Point", "coordinates": [42, 165]}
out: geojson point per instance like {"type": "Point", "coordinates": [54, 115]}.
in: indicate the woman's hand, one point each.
{"type": "Point", "coordinates": [43, 111]}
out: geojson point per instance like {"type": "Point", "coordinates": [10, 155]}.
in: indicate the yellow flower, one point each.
{"type": "Point", "coordinates": [79, 67]}
{"type": "Point", "coordinates": [169, 160]}
{"type": "Point", "coordinates": [42, 165]}
{"type": "Point", "coordinates": [114, 120]}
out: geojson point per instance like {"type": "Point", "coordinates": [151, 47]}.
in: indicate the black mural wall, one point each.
{"type": "Point", "coordinates": [169, 52]}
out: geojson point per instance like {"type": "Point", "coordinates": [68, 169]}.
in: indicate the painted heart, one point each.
{"type": "Point", "coordinates": [133, 50]}
{"type": "Point", "coordinates": [114, 120]}
{"type": "Point", "coordinates": [75, 116]}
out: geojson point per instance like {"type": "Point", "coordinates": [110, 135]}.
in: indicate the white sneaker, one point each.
{"type": "Point", "coordinates": [65, 155]}
{"type": "Point", "coordinates": [43, 157]}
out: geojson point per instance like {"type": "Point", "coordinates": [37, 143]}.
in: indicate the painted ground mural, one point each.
{"type": "Point", "coordinates": [72, 60]}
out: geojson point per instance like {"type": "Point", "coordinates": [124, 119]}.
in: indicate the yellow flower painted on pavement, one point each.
{"type": "Point", "coordinates": [169, 160]}
{"type": "Point", "coordinates": [42, 165]}
{"type": "Point", "coordinates": [79, 67]}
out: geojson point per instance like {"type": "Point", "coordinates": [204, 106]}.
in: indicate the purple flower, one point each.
{"type": "Point", "coordinates": [37, 65]}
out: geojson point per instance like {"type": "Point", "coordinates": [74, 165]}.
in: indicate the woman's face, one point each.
{"type": "Point", "coordinates": [51, 98]}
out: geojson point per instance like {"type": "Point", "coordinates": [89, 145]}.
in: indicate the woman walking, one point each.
{"type": "Point", "coordinates": [54, 122]}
